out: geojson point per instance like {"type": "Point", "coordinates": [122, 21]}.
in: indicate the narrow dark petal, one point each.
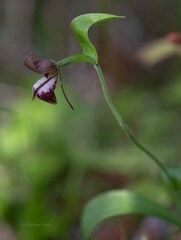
{"type": "Point", "coordinates": [46, 66]}
{"type": "Point", "coordinates": [29, 61]}
{"type": "Point", "coordinates": [66, 98]}
{"type": "Point", "coordinates": [64, 94]}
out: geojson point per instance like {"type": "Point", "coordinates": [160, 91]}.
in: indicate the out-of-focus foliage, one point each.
{"type": "Point", "coordinates": [121, 202]}
{"type": "Point", "coordinates": [157, 51]}
{"type": "Point", "coordinates": [54, 159]}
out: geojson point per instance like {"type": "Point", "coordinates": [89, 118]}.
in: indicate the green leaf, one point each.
{"type": "Point", "coordinates": [175, 173]}
{"type": "Point", "coordinates": [80, 26]}
{"type": "Point", "coordinates": [121, 202]}
{"type": "Point", "coordinates": [76, 59]}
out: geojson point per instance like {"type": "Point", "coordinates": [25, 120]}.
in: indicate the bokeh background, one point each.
{"type": "Point", "coordinates": [52, 159]}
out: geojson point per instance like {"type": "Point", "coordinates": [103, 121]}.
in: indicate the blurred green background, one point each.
{"type": "Point", "coordinates": [53, 159]}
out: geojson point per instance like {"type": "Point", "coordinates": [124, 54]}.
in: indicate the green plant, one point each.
{"type": "Point", "coordinates": [119, 202]}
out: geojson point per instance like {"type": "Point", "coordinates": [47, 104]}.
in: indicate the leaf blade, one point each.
{"type": "Point", "coordinates": [81, 58]}
{"type": "Point", "coordinates": [80, 26]}
{"type": "Point", "coordinates": [121, 202]}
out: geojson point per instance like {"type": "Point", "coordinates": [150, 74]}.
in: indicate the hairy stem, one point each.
{"type": "Point", "coordinates": [129, 133]}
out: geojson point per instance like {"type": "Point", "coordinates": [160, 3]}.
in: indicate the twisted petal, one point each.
{"type": "Point", "coordinates": [46, 66]}
{"type": "Point", "coordinates": [44, 89]}
{"type": "Point", "coordinates": [29, 61]}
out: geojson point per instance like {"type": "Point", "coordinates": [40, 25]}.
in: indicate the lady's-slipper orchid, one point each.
{"type": "Point", "coordinates": [45, 86]}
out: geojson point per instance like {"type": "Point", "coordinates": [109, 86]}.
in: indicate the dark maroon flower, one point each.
{"type": "Point", "coordinates": [44, 87]}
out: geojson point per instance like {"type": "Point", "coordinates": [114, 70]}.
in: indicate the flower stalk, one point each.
{"type": "Point", "coordinates": [130, 134]}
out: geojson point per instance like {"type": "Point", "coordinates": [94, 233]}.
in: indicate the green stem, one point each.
{"type": "Point", "coordinates": [129, 133]}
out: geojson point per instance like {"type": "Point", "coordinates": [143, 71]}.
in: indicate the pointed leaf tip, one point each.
{"type": "Point", "coordinates": [80, 26]}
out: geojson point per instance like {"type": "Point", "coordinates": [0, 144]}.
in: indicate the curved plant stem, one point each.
{"type": "Point", "coordinates": [129, 133]}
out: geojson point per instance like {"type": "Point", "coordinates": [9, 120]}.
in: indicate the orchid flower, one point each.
{"type": "Point", "coordinates": [45, 86]}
